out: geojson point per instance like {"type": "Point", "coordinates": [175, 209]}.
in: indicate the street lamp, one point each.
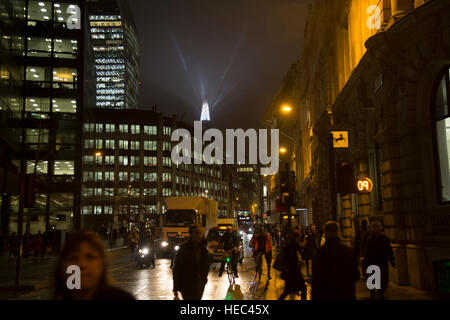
{"type": "Point", "coordinates": [283, 150]}
{"type": "Point", "coordinates": [286, 108]}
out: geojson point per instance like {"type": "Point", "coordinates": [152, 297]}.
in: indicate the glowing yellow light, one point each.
{"type": "Point", "coordinates": [98, 154]}
{"type": "Point", "coordinates": [283, 150]}
{"type": "Point", "coordinates": [286, 108]}
{"type": "Point", "coordinates": [365, 185]}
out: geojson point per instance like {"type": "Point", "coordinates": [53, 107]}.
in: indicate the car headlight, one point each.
{"type": "Point", "coordinates": [145, 251]}
{"type": "Point", "coordinates": [140, 250]}
{"type": "Point", "coordinates": [177, 247]}
{"type": "Point", "coordinates": [250, 229]}
{"type": "Point", "coordinates": [164, 244]}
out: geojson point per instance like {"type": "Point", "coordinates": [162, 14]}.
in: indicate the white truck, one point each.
{"type": "Point", "coordinates": [180, 214]}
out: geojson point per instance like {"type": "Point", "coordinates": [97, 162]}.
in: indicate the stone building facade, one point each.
{"type": "Point", "coordinates": [387, 87]}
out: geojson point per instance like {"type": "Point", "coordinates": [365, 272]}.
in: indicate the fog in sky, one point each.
{"type": "Point", "coordinates": [232, 53]}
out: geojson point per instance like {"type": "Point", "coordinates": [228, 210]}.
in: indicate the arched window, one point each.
{"type": "Point", "coordinates": [441, 115]}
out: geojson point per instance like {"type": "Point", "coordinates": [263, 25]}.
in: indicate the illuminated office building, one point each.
{"type": "Point", "coordinates": [128, 170]}
{"type": "Point", "coordinates": [112, 56]}
{"type": "Point", "coordinates": [49, 123]}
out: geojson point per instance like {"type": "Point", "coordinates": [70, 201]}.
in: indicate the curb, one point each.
{"type": "Point", "coordinates": [113, 249]}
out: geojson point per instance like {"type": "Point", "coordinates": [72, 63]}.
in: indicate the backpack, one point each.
{"type": "Point", "coordinates": [261, 241]}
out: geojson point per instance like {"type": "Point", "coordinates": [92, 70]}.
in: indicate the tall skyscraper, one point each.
{"type": "Point", "coordinates": [112, 56]}
{"type": "Point", "coordinates": [205, 111]}
{"type": "Point", "coordinates": [50, 112]}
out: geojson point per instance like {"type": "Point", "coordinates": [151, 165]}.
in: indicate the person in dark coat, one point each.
{"type": "Point", "coordinates": [335, 268]}
{"type": "Point", "coordinates": [309, 249]}
{"type": "Point", "coordinates": [190, 272]}
{"type": "Point", "coordinates": [85, 249]}
{"type": "Point", "coordinates": [292, 275]}
{"type": "Point", "coordinates": [378, 251]}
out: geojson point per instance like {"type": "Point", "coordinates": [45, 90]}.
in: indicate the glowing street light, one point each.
{"type": "Point", "coordinates": [283, 150]}
{"type": "Point", "coordinates": [98, 154]}
{"type": "Point", "coordinates": [286, 108]}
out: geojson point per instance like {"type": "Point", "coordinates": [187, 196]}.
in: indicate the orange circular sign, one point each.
{"type": "Point", "coordinates": [364, 185]}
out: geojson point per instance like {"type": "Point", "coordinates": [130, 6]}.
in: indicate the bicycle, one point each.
{"type": "Point", "coordinates": [228, 267]}
{"type": "Point", "coordinates": [258, 265]}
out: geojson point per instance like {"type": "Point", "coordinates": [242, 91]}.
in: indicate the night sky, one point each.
{"type": "Point", "coordinates": [233, 52]}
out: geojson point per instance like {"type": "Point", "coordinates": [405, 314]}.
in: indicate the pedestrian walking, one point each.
{"type": "Point", "coordinates": [309, 249]}
{"type": "Point", "coordinates": [379, 252]}
{"type": "Point", "coordinates": [36, 246]}
{"type": "Point", "coordinates": [85, 249]}
{"type": "Point", "coordinates": [335, 268]}
{"type": "Point", "coordinates": [133, 242]}
{"type": "Point", "coordinates": [291, 272]}
{"type": "Point", "coordinates": [13, 245]}
{"type": "Point", "coordinates": [44, 243]}
{"type": "Point", "coordinates": [190, 273]}
{"type": "Point", "coordinates": [115, 235]}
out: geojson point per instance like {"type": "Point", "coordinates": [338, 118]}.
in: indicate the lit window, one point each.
{"type": "Point", "coordinates": [442, 126]}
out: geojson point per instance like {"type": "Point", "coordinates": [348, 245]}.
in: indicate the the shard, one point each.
{"type": "Point", "coordinates": [205, 111]}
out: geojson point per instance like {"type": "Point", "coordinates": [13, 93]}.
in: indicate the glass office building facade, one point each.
{"type": "Point", "coordinates": [12, 46]}
{"type": "Point", "coordinates": [112, 51]}
{"type": "Point", "coordinates": [50, 121]}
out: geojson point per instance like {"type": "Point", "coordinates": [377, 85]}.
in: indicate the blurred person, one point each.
{"type": "Point", "coordinates": [291, 274]}
{"type": "Point", "coordinates": [190, 273]}
{"type": "Point", "coordinates": [36, 245]}
{"type": "Point", "coordinates": [230, 243]}
{"type": "Point", "coordinates": [148, 242]}
{"type": "Point", "coordinates": [85, 249]}
{"type": "Point", "coordinates": [13, 245]}
{"type": "Point", "coordinates": [378, 251]}
{"type": "Point", "coordinates": [335, 268]}
{"type": "Point", "coordinates": [133, 242]}
{"type": "Point", "coordinates": [309, 249]}
{"type": "Point", "coordinates": [261, 244]}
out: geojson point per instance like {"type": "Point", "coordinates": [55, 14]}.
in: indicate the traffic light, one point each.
{"type": "Point", "coordinates": [345, 178]}
{"type": "Point", "coordinates": [287, 188]}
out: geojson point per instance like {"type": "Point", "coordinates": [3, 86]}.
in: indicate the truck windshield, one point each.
{"type": "Point", "coordinates": [179, 218]}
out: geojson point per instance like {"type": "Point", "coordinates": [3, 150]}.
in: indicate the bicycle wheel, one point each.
{"type": "Point", "coordinates": [230, 273]}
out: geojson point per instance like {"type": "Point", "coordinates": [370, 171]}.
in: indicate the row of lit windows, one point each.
{"type": "Point", "coordinates": [104, 18]}
{"type": "Point", "coordinates": [122, 209]}
{"type": "Point", "coordinates": [110, 91]}
{"type": "Point", "coordinates": [124, 176]}
{"type": "Point", "coordinates": [109, 97]}
{"type": "Point", "coordinates": [42, 11]}
{"type": "Point", "coordinates": [109, 73]}
{"type": "Point", "coordinates": [148, 161]}
{"type": "Point", "coordinates": [109, 79]}
{"type": "Point", "coordinates": [105, 23]}
{"type": "Point", "coordinates": [107, 30]}
{"type": "Point", "coordinates": [112, 104]}
{"type": "Point", "coordinates": [65, 167]}
{"type": "Point", "coordinates": [104, 36]}
{"type": "Point", "coordinates": [109, 60]}
{"type": "Point", "coordinates": [118, 48]}
{"type": "Point", "coordinates": [110, 67]}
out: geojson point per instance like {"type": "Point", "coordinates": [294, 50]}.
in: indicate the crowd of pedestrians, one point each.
{"type": "Point", "coordinates": [35, 246]}
{"type": "Point", "coordinates": [332, 266]}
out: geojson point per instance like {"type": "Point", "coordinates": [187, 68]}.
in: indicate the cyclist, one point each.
{"type": "Point", "coordinates": [229, 242]}
{"type": "Point", "coordinates": [262, 244]}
